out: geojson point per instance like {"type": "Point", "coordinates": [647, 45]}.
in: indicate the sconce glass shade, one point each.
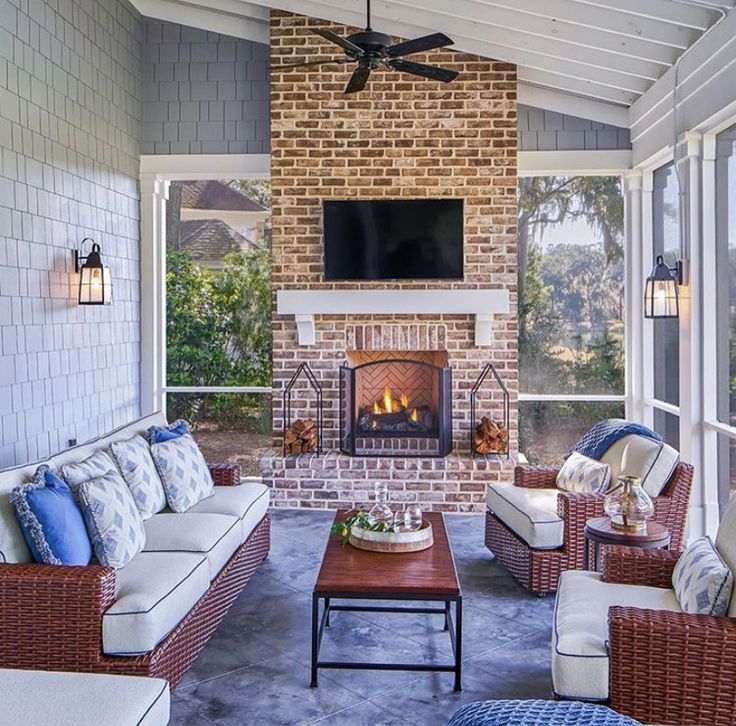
{"type": "Point", "coordinates": [95, 281]}
{"type": "Point", "coordinates": [660, 294]}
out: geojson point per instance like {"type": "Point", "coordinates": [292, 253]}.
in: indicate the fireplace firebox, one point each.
{"type": "Point", "coordinates": [396, 403]}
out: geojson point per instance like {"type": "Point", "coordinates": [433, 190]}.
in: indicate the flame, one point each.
{"type": "Point", "coordinates": [376, 407]}
{"type": "Point", "coordinates": [414, 416]}
{"type": "Point", "coordinates": [404, 400]}
{"type": "Point", "coordinates": [388, 400]}
{"type": "Point", "coordinates": [374, 424]}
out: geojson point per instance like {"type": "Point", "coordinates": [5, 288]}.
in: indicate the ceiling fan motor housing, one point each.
{"type": "Point", "coordinates": [374, 44]}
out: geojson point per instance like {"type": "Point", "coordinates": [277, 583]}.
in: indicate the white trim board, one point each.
{"type": "Point", "coordinates": [578, 163]}
{"type": "Point", "coordinates": [305, 304]}
{"type": "Point", "coordinates": [182, 167]}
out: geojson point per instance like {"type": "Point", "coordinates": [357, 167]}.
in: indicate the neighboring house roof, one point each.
{"type": "Point", "coordinates": [216, 196]}
{"type": "Point", "coordinates": [211, 239]}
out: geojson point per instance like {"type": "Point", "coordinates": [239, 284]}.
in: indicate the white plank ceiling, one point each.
{"type": "Point", "coordinates": [604, 51]}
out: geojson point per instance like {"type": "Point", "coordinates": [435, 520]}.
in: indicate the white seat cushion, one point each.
{"type": "Point", "coordinates": [580, 629]}
{"type": "Point", "coordinates": [215, 536]}
{"type": "Point", "coordinates": [248, 502]}
{"type": "Point", "coordinates": [652, 461]}
{"type": "Point", "coordinates": [154, 592]}
{"type": "Point", "coordinates": [530, 513]}
{"type": "Point", "coordinates": [37, 698]}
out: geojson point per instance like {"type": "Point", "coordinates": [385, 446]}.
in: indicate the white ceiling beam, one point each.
{"type": "Point", "coordinates": [210, 16]}
{"type": "Point", "coordinates": [590, 89]}
{"type": "Point", "coordinates": [600, 18]}
{"type": "Point", "coordinates": [573, 105]}
{"type": "Point", "coordinates": [666, 11]}
{"type": "Point", "coordinates": [464, 15]}
{"type": "Point", "coordinates": [509, 46]}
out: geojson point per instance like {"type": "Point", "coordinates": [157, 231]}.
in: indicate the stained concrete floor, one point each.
{"type": "Point", "coordinates": [255, 669]}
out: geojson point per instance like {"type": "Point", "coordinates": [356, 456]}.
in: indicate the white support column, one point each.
{"type": "Point", "coordinates": [691, 308]}
{"type": "Point", "coordinates": [154, 193]}
{"type": "Point", "coordinates": [708, 340]}
{"type": "Point", "coordinates": [633, 323]}
{"type": "Point", "coordinates": [645, 340]}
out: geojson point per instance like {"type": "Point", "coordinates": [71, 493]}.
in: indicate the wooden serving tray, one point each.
{"type": "Point", "coordinates": [392, 542]}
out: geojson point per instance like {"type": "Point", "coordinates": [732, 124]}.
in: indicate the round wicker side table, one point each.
{"type": "Point", "coordinates": [600, 531]}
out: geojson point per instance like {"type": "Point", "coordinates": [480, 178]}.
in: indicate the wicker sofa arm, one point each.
{"type": "Point", "coordinates": [539, 477]}
{"type": "Point", "coordinates": [630, 566]}
{"type": "Point", "coordinates": [51, 615]}
{"type": "Point", "coordinates": [575, 509]}
{"type": "Point", "coordinates": [669, 667]}
{"type": "Point", "coordinates": [225, 475]}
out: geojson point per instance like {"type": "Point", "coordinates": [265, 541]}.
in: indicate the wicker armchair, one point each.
{"type": "Point", "coordinates": [663, 666]}
{"type": "Point", "coordinates": [51, 616]}
{"type": "Point", "coordinates": [538, 570]}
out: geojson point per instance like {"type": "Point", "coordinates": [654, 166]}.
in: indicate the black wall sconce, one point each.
{"type": "Point", "coordinates": [95, 281]}
{"type": "Point", "coordinates": [661, 296]}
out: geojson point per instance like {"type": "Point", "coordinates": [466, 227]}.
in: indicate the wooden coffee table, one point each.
{"type": "Point", "coordinates": [601, 531]}
{"type": "Point", "coordinates": [349, 574]}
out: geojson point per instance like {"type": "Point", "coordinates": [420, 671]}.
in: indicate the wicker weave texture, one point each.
{"type": "Point", "coordinates": [51, 617]}
{"type": "Point", "coordinates": [630, 566]}
{"type": "Point", "coordinates": [225, 475]}
{"type": "Point", "coordinates": [672, 668]}
{"type": "Point", "coordinates": [537, 570]}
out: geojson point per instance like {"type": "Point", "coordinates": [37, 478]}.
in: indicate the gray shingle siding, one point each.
{"type": "Point", "coordinates": [204, 93]}
{"type": "Point", "coordinates": [70, 129]}
{"type": "Point", "coordinates": [541, 130]}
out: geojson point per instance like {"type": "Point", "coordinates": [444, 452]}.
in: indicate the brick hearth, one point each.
{"type": "Point", "coordinates": [402, 137]}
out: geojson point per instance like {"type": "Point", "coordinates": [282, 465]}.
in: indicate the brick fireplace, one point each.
{"type": "Point", "coordinates": [401, 138]}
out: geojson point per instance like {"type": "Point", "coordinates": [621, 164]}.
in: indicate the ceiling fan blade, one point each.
{"type": "Point", "coordinates": [427, 42]}
{"type": "Point", "coordinates": [358, 80]}
{"type": "Point", "coordinates": [337, 40]}
{"type": "Point", "coordinates": [420, 69]}
{"type": "Point", "coordinates": [326, 61]}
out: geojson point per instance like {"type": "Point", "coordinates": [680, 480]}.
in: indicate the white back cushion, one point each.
{"type": "Point", "coordinates": [652, 461]}
{"type": "Point", "coordinates": [726, 546]}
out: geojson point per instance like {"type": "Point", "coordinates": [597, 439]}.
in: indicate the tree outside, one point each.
{"type": "Point", "coordinates": [571, 304]}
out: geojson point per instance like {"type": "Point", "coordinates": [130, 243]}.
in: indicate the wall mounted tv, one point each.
{"type": "Point", "coordinates": [393, 239]}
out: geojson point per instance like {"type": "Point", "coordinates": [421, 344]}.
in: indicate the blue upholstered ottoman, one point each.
{"type": "Point", "coordinates": [538, 713]}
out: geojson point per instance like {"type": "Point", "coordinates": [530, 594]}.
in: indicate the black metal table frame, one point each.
{"type": "Point", "coordinates": [322, 621]}
{"type": "Point", "coordinates": [598, 540]}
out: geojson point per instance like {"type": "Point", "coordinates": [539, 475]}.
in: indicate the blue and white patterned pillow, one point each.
{"type": "Point", "coordinates": [183, 471]}
{"type": "Point", "coordinates": [94, 466]}
{"type": "Point", "coordinates": [702, 580]}
{"type": "Point", "coordinates": [582, 474]}
{"type": "Point", "coordinates": [133, 457]}
{"type": "Point", "coordinates": [113, 521]}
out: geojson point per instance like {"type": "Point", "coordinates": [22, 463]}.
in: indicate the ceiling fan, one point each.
{"type": "Point", "coordinates": [371, 50]}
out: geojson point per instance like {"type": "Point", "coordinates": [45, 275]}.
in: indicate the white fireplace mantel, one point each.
{"type": "Point", "coordinates": [305, 304]}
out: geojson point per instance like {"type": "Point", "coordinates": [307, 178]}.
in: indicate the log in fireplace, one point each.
{"type": "Point", "coordinates": [396, 403]}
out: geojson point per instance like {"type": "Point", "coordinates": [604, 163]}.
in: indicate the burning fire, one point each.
{"type": "Point", "coordinates": [389, 404]}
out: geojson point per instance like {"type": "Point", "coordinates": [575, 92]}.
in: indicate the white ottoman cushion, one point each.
{"type": "Point", "coordinates": [40, 698]}
{"type": "Point", "coordinates": [580, 629]}
{"type": "Point", "coordinates": [154, 592]}
{"type": "Point", "coordinates": [248, 502]}
{"type": "Point", "coordinates": [530, 513]}
{"type": "Point", "coordinates": [215, 536]}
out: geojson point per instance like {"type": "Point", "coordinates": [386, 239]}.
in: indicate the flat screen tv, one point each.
{"type": "Point", "coordinates": [394, 239]}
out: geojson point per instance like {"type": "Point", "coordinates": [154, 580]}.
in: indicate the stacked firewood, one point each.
{"type": "Point", "coordinates": [490, 437]}
{"type": "Point", "coordinates": [301, 436]}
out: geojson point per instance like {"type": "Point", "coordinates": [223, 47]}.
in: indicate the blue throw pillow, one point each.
{"type": "Point", "coordinates": [51, 521]}
{"type": "Point", "coordinates": [159, 434]}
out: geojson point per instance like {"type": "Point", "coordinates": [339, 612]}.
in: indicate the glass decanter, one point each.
{"type": "Point", "coordinates": [381, 512]}
{"type": "Point", "coordinates": [628, 505]}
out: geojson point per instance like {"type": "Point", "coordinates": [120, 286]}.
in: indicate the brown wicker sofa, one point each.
{"type": "Point", "coordinates": [621, 637]}
{"type": "Point", "coordinates": [538, 569]}
{"type": "Point", "coordinates": [53, 617]}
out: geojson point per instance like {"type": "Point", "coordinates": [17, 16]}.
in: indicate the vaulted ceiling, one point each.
{"type": "Point", "coordinates": [599, 51]}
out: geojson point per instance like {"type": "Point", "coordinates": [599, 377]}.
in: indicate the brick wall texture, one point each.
{"type": "Point", "coordinates": [403, 137]}
{"type": "Point", "coordinates": [70, 114]}
{"type": "Point", "coordinates": [203, 93]}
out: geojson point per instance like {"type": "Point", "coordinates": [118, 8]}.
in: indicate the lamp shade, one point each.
{"type": "Point", "coordinates": [95, 281]}
{"type": "Point", "coordinates": [660, 294]}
